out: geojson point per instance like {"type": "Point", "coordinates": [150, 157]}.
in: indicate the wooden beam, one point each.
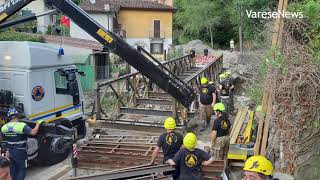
{"type": "Point", "coordinates": [284, 9]}
{"type": "Point", "coordinates": [261, 124]}
{"type": "Point", "coordinates": [235, 122]}
{"type": "Point", "coordinates": [276, 30]}
{"type": "Point", "coordinates": [267, 123]}
{"type": "Point", "coordinates": [235, 134]}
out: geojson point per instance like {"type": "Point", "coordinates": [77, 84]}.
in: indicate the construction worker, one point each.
{"type": "Point", "coordinates": [15, 133]}
{"type": "Point", "coordinates": [207, 98]}
{"type": "Point", "coordinates": [170, 142]}
{"type": "Point", "coordinates": [220, 133]}
{"type": "Point", "coordinates": [226, 87]}
{"type": "Point", "coordinates": [257, 168]}
{"type": "Point", "coordinates": [231, 45]}
{"type": "Point", "coordinates": [4, 168]}
{"type": "Point", "coordinates": [190, 159]}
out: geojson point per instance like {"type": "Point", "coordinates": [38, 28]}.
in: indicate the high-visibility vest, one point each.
{"type": "Point", "coordinates": [13, 132]}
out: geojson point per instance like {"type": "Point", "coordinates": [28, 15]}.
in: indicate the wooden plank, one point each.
{"type": "Point", "coordinates": [247, 133]}
{"type": "Point", "coordinates": [234, 137]}
{"type": "Point", "coordinates": [256, 148]}
{"type": "Point", "coordinates": [245, 123]}
{"type": "Point", "coordinates": [276, 30]}
{"type": "Point", "coordinates": [266, 125]}
{"type": "Point", "coordinates": [261, 124]}
{"type": "Point", "coordinates": [236, 120]}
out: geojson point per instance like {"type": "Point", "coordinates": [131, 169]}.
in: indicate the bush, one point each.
{"type": "Point", "coordinates": [15, 36]}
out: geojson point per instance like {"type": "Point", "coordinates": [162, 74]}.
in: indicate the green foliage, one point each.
{"type": "Point", "coordinates": [311, 12]}
{"type": "Point", "coordinates": [49, 30]}
{"type": "Point", "coordinates": [77, 2]}
{"type": "Point", "coordinates": [108, 101]}
{"type": "Point", "coordinates": [195, 20]}
{"type": "Point", "coordinates": [16, 36]}
{"type": "Point", "coordinates": [273, 60]}
{"type": "Point", "coordinates": [175, 52]}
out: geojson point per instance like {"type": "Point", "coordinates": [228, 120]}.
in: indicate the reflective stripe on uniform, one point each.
{"type": "Point", "coordinates": [18, 142]}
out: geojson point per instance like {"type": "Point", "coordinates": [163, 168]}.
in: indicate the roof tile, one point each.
{"type": "Point", "coordinates": [124, 4]}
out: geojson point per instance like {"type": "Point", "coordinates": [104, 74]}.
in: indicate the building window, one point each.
{"type": "Point", "coordinates": [53, 19]}
{"type": "Point", "coordinates": [102, 66]}
{"type": "Point", "coordinates": [156, 48]}
{"type": "Point", "coordinates": [156, 28]}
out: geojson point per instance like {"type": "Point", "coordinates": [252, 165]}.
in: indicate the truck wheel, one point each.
{"type": "Point", "coordinates": [52, 151]}
{"type": "Point", "coordinates": [32, 150]}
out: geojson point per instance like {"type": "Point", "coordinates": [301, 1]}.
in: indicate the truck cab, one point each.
{"type": "Point", "coordinates": [43, 86]}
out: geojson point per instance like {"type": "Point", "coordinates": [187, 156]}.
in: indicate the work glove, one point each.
{"type": "Point", "coordinates": [41, 121]}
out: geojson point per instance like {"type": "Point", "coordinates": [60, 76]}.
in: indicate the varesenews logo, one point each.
{"type": "Point", "coordinates": [269, 15]}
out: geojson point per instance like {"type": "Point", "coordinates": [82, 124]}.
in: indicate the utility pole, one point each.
{"type": "Point", "coordinates": [278, 27]}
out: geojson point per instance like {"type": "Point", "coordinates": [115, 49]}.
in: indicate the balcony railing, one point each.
{"type": "Point", "coordinates": [158, 35]}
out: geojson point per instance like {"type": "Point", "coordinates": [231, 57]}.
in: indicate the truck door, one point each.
{"type": "Point", "coordinates": [66, 99]}
{"type": "Point", "coordinates": [40, 95]}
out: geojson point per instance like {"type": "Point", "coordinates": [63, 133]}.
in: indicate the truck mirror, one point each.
{"type": "Point", "coordinates": [82, 73]}
{"type": "Point", "coordinates": [71, 77]}
{"type": "Point", "coordinates": [62, 72]}
{"type": "Point", "coordinates": [73, 88]}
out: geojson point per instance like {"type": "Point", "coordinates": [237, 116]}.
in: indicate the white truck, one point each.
{"type": "Point", "coordinates": [41, 85]}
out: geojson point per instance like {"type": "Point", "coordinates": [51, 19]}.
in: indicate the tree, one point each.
{"type": "Point", "coordinates": [217, 21]}
{"type": "Point", "coordinates": [195, 17]}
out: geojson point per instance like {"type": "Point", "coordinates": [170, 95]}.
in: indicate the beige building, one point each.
{"type": "Point", "coordinates": [147, 23]}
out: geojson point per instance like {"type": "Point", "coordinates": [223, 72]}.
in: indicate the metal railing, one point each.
{"type": "Point", "coordinates": [123, 91]}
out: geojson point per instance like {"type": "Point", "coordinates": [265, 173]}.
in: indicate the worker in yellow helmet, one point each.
{"type": "Point", "coordinates": [257, 168]}
{"type": "Point", "coordinates": [190, 159]}
{"type": "Point", "coordinates": [226, 90]}
{"type": "Point", "coordinates": [222, 76]}
{"type": "Point", "coordinates": [170, 142]}
{"type": "Point", "coordinates": [208, 95]}
{"type": "Point", "coordinates": [220, 133]}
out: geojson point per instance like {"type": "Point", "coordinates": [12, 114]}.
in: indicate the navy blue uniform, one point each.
{"type": "Point", "coordinates": [170, 144]}
{"type": "Point", "coordinates": [190, 163]}
{"type": "Point", "coordinates": [206, 94]}
{"type": "Point", "coordinates": [222, 126]}
{"type": "Point", "coordinates": [15, 133]}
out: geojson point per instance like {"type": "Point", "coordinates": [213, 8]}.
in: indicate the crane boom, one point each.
{"type": "Point", "coordinates": [161, 77]}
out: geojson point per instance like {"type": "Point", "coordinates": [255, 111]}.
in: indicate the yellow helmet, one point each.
{"type": "Point", "coordinates": [204, 80]}
{"type": "Point", "coordinates": [219, 107]}
{"type": "Point", "coordinates": [170, 123]}
{"type": "Point", "coordinates": [228, 73]}
{"type": "Point", "coordinates": [190, 141]}
{"type": "Point", "coordinates": [259, 164]}
{"type": "Point", "coordinates": [222, 76]}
